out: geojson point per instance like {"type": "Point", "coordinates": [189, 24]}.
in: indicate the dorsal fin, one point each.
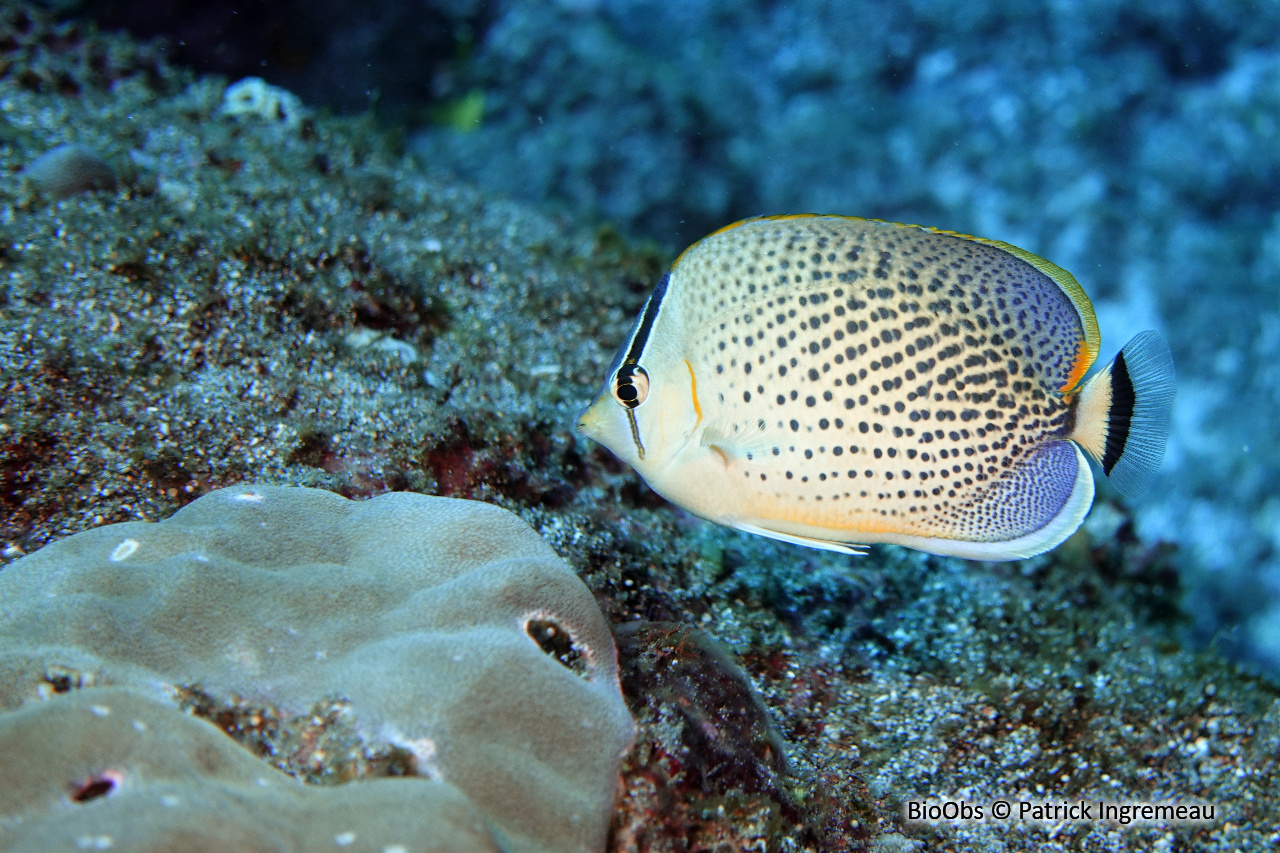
{"type": "Point", "coordinates": [1088, 351]}
{"type": "Point", "coordinates": [1092, 342]}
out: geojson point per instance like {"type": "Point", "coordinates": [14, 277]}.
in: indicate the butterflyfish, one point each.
{"type": "Point", "coordinates": [835, 382]}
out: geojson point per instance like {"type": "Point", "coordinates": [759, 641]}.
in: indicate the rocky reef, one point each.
{"type": "Point", "coordinates": [1133, 144]}
{"type": "Point", "coordinates": [281, 297]}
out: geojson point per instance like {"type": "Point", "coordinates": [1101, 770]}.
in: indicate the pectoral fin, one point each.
{"type": "Point", "coordinates": [736, 444]}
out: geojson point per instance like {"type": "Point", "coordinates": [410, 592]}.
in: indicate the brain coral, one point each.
{"type": "Point", "coordinates": [448, 629]}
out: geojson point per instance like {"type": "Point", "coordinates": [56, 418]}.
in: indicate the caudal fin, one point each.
{"type": "Point", "coordinates": [1122, 419]}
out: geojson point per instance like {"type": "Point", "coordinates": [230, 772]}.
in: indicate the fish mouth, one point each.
{"type": "Point", "coordinates": [585, 423]}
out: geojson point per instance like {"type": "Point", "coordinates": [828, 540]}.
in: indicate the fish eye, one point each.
{"type": "Point", "coordinates": [630, 385]}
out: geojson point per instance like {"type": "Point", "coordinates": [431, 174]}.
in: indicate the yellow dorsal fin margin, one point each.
{"type": "Point", "coordinates": [1085, 354]}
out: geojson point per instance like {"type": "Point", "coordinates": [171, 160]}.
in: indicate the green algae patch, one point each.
{"type": "Point", "coordinates": [463, 113]}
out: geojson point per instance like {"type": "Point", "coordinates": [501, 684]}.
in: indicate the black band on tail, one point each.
{"type": "Point", "coordinates": [1142, 380]}
{"type": "Point", "coordinates": [1121, 414]}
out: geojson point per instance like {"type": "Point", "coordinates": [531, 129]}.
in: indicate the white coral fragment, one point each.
{"type": "Point", "coordinates": [362, 339]}
{"type": "Point", "coordinates": [256, 98]}
{"type": "Point", "coordinates": [124, 550]}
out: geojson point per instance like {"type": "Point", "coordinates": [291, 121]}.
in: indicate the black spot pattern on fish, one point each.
{"type": "Point", "coordinates": [905, 375]}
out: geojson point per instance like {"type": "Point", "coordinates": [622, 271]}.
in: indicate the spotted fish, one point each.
{"type": "Point", "coordinates": [833, 382]}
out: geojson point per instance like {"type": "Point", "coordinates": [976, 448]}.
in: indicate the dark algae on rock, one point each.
{"type": "Point", "coordinates": [282, 297]}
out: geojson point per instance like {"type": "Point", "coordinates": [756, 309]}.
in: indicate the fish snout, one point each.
{"type": "Point", "coordinates": [588, 421]}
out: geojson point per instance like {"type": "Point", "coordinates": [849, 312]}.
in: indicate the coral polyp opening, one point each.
{"type": "Point", "coordinates": [95, 787]}
{"type": "Point", "coordinates": [556, 641]}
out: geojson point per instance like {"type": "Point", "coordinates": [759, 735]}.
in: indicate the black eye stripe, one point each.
{"type": "Point", "coordinates": [651, 309]}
